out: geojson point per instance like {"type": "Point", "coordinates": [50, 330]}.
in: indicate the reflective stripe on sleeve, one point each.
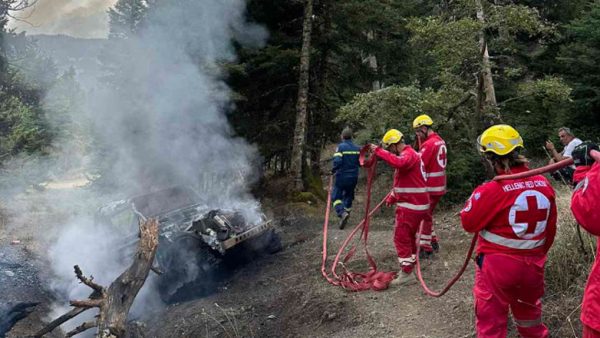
{"type": "Point", "coordinates": [351, 152]}
{"type": "Point", "coordinates": [436, 174]}
{"type": "Point", "coordinates": [337, 155]}
{"type": "Point", "coordinates": [418, 207]}
{"type": "Point", "coordinates": [436, 189]}
{"type": "Point", "coordinates": [523, 244]}
{"type": "Point", "coordinates": [410, 190]}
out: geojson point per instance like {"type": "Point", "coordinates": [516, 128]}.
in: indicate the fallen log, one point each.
{"type": "Point", "coordinates": [115, 302]}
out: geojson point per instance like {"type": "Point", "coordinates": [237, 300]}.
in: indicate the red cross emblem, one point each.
{"type": "Point", "coordinates": [441, 158]}
{"type": "Point", "coordinates": [529, 214]}
{"type": "Point", "coordinates": [532, 215]}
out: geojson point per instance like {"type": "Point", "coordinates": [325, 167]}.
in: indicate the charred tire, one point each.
{"type": "Point", "coordinates": [190, 268]}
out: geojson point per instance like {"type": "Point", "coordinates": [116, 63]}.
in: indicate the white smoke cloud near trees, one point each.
{"type": "Point", "coordinates": [79, 18]}
{"type": "Point", "coordinates": [155, 117]}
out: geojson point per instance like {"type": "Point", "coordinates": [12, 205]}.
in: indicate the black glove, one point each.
{"type": "Point", "coordinates": [581, 153]}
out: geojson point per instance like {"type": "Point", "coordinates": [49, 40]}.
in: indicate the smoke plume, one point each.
{"type": "Point", "coordinates": [154, 118]}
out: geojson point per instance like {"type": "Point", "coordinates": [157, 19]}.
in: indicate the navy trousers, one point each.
{"type": "Point", "coordinates": [343, 193]}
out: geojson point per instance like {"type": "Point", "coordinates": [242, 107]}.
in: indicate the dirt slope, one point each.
{"type": "Point", "coordinates": [284, 295]}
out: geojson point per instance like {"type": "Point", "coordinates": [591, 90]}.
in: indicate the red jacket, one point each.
{"type": "Point", "coordinates": [580, 172]}
{"type": "Point", "coordinates": [512, 216]}
{"type": "Point", "coordinates": [410, 191]}
{"type": "Point", "coordinates": [585, 205]}
{"type": "Point", "coordinates": [434, 155]}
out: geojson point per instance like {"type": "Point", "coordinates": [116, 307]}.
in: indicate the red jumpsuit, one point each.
{"type": "Point", "coordinates": [516, 221]}
{"type": "Point", "coordinates": [585, 205]}
{"type": "Point", "coordinates": [434, 155]}
{"type": "Point", "coordinates": [411, 199]}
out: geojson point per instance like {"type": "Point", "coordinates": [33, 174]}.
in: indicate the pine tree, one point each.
{"type": "Point", "coordinates": [126, 18]}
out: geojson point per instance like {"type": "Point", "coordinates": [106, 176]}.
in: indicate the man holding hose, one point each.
{"type": "Point", "coordinates": [410, 197]}
{"type": "Point", "coordinates": [516, 221]}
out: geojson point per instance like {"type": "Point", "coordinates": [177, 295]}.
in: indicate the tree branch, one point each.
{"type": "Point", "coordinates": [88, 281]}
{"type": "Point", "coordinates": [86, 303]}
{"type": "Point", "coordinates": [59, 321]}
{"type": "Point", "coordinates": [81, 328]}
{"type": "Point", "coordinates": [514, 99]}
{"type": "Point", "coordinates": [464, 100]}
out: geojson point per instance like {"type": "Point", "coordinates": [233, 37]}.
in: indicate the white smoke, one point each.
{"type": "Point", "coordinates": [80, 18]}
{"type": "Point", "coordinates": [156, 115]}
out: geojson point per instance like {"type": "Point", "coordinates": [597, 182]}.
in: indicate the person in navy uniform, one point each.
{"type": "Point", "coordinates": [345, 169]}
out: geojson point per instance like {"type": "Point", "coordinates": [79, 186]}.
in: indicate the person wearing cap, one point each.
{"type": "Point", "coordinates": [585, 205]}
{"type": "Point", "coordinates": [516, 222]}
{"type": "Point", "coordinates": [409, 196]}
{"type": "Point", "coordinates": [434, 155]}
{"type": "Point", "coordinates": [345, 169]}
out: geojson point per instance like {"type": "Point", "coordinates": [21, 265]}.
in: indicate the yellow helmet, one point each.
{"type": "Point", "coordinates": [500, 139]}
{"type": "Point", "coordinates": [422, 120]}
{"type": "Point", "coordinates": [392, 136]}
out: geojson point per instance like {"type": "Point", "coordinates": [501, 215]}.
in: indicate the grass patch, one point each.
{"type": "Point", "coordinates": [567, 270]}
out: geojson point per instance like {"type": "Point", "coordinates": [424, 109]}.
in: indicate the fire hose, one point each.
{"type": "Point", "coordinates": [352, 281]}
{"type": "Point", "coordinates": [552, 167]}
{"type": "Point", "coordinates": [380, 280]}
{"type": "Point", "coordinates": [542, 170]}
{"type": "Point", "coordinates": [536, 171]}
{"type": "Point", "coordinates": [374, 279]}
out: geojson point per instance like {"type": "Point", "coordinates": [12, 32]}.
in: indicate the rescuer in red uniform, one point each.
{"type": "Point", "coordinates": [434, 156]}
{"type": "Point", "coordinates": [410, 197]}
{"type": "Point", "coordinates": [516, 221]}
{"type": "Point", "coordinates": [585, 205]}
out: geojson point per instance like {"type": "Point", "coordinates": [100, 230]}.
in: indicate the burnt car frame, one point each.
{"type": "Point", "coordinates": [197, 244]}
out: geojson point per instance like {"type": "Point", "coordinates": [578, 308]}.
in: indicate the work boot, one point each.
{"type": "Point", "coordinates": [403, 278]}
{"type": "Point", "coordinates": [344, 219]}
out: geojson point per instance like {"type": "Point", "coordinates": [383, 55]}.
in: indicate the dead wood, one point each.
{"type": "Point", "coordinates": [114, 303]}
{"type": "Point", "coordinates": [81, 328]}
{"type": "Point", "coordinates": [122, 292]}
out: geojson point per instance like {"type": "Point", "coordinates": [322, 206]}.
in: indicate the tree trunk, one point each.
{"type": "Point", "coordinates": [487, 107]}
{"type": "Point", "coordinates": [114, 303]}
{"type": "Point", "coordinates": [112, 321]}
{"type": "Point", "coordinates": [298, 147]}
{"type": "Point", "coordinates": [372, 62]}
{"type": "Point", "coordinates": [322, 113]}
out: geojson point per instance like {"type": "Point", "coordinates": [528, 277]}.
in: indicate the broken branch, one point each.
{"type": "Point", "coordinates": [88, 281]}
{"type": "Point", "coordinates": [59, 321]}
{"type": "Point", "coordinates": [81, 328]}
{"type": "Point", "coordinates": [86, 303]}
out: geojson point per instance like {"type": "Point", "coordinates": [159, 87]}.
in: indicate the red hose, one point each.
{"type": "Point", "coordinates": [454, 279]}
{"type": "Point", "coordinates": [373, 279]}
{"type": "Point", "coordinates": [538, 171]}
{"type": "Point", "coordinates": [349, 280]}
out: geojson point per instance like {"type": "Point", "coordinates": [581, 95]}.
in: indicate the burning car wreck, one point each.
{"type": "Point", "coordinates": [197, 245]}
